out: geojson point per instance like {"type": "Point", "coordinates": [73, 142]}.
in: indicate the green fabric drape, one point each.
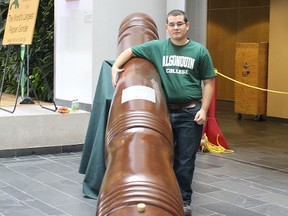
{"type": "Point", "coordinates": [93, 159]}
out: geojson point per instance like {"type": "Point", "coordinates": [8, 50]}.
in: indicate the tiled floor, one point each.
{"type": "Point", "coordinates": [43, 185]}
{"type": "Point", "coordinates": [252, 181]}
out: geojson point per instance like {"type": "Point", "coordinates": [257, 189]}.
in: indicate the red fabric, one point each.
{"type": "Point", "coordinates": [211, 127]}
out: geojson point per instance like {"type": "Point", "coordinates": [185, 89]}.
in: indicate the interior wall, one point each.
{"type": "Point", "coordinates": [106, 22]}
{"type": "Point", "coordinates": [73, 53]}
{"type": "Point", "coordinates": [85, 35]}
{"type": "Point", "coordinates": [278, 65]}
{"type": "Point", "coordinates": [231, 22]}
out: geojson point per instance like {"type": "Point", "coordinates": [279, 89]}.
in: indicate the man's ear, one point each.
{"type": "Point", "coordinates": [187, 25]}
{"type": "Point", "coordinates": [167, 27]}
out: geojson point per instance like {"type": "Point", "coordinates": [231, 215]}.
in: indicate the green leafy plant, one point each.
{"type": "Point", "coordinates": [3, 14]}
{"type": "Point", "coordinates": [41, 61]}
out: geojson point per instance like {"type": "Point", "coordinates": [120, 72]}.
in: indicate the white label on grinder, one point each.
{"type": "Point", "coordinates": [138, 92]}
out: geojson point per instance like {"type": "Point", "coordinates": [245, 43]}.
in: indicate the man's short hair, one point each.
{"type": "Point", "coordinates": [177, 13]}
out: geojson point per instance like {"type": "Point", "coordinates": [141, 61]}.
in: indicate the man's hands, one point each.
{"type": "Point", "coordinates": [120, 61]}
{"type": "Point", "coordinates": [201, 117]}
{"type": "Point", "coordinates": [115, 75]}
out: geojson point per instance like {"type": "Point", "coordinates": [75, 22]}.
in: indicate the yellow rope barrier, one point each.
{"type": "Point", "coordinates": [207, 146]}
{"type": "Point", "coordinates": [250, 86]}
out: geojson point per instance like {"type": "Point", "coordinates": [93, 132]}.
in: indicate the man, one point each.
{"type": "Point", "coordinates": [183, 65]}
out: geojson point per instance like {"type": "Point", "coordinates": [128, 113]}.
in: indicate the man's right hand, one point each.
{"type": "Point", "coordinates": [120, 61]}
{"type": "Point", "coordinates": [115, 75]}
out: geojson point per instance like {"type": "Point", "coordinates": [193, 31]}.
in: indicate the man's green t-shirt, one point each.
{"type": "Point", "coordinates": [182, 68]}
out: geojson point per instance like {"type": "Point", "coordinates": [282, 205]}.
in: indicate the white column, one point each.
{"type": "Point", "coordinates": [197, 16]}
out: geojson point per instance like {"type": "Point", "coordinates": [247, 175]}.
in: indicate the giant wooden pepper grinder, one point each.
{"type": "Point", "coordinates": [139, 179]}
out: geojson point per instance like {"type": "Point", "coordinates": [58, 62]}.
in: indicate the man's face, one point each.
{"type": "Point", "coordinates": [177, 28]}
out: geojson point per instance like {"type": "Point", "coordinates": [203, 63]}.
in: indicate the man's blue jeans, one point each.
{"type": "Point", "coordinates": [187, 137]}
